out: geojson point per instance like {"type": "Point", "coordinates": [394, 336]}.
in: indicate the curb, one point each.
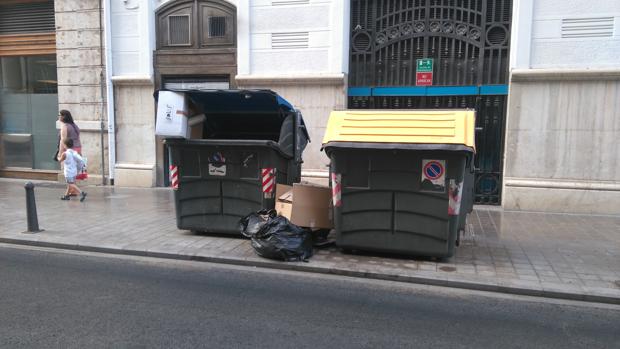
{"type": "Point", "coordinates": [332, 271]}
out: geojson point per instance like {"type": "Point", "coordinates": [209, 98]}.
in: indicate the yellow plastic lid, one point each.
{"type": "Point", "coordinates": [402, 126]}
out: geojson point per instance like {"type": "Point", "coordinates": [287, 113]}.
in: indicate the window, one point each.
{"type": "Point", "coordinates": [197, 24]}
{"type": "Point", "coordinates": [179, 30]}
{"type": "Point", "coordinates": [28, 111]}
{"type": "Point", "coordinates": [217, 27]}
{"type": "Point", "coordinates": [27, 18]}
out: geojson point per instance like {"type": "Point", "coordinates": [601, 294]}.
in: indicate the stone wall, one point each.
{"type": "Point", "coordinates": [80, 71]}
{"type": "Point", "coordinates": [135, 133]}
{"type": "Point", "coordinates": [562, 143]}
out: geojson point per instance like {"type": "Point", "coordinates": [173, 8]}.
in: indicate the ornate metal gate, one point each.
{"type": "Point", "coordinates": [468, 41]}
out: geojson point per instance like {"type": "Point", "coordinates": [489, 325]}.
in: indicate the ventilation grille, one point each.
{"type": "Point", "coordinates": [289, 40]}
{"type": "Point", "coordinates": [587, 27]}
{"type": "Point", "coordinates": [178, 30]}
{"type": "Point", "coordinates": [289, 2]}
{"type": "Point", "coordinates": [27, 18]}
{"type": "Point", "coordinates": [217, 27]}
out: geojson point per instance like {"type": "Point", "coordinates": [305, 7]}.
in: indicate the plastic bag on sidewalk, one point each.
{"type": "Point", "coordinates": [275, 237]}
{"type": "Point", "coordinates": [251, 224]}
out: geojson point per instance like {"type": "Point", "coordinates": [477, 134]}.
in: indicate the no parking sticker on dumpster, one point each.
{"type": "Point", "coordinates": [433, 175]}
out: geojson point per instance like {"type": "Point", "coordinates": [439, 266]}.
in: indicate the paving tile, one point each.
{"type": "Point", "coordinates": [578, 253]}
{"type": "Point", "coordinates": [506, 270]}
{"type": "Point", "coordinates": [528, 277]}
{"type": "Point", "coordinates": [600, 284]}
{"type": "Point", "coordinates": [588, 277]}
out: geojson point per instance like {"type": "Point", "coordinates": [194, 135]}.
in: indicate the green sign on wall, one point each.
{"type": "Point", "coordinates": [424, 65]}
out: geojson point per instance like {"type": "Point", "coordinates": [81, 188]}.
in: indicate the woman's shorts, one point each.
{"type": "Point", "coordinates": [70, 180]}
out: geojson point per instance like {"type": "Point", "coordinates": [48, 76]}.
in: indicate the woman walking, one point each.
{"type": "Point", "coordinates": [68, 130]}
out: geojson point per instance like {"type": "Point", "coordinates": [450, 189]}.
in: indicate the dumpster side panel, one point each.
{"type": "Point", "coordinates": [366, 211]}
{"type": "Point", "coordinates": [219, 184]}
{"type": "Point", "coordinates": [384, 206]}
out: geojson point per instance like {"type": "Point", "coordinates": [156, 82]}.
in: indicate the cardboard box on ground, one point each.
{"type": "Point", "coordinates": [173, 109]}
{"type": "Point", "coordinates": [305, 205]}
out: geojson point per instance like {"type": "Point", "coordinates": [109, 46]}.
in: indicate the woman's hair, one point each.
{"type": "Point", "coordinates": [69, 143]}
{"type": "Point", "coordinates": [66, 116]}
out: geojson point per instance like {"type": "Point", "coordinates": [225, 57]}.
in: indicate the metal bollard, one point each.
{"type": "Point", "coordinates": [31, 209]}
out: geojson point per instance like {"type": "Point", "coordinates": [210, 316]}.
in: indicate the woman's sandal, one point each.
{"type": "Point", "coordinates": [65, 197]}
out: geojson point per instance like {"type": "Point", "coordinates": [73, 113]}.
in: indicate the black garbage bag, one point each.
{"type": "Point", "coordinates": [280, 239]}
{"type": "Point", "coordinates": [321, 238]}
{"type": "Point", "coordinates": [251, 224]}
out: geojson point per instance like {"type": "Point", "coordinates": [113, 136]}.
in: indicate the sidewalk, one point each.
{"type": "Point", "coordinates": [553, 255]}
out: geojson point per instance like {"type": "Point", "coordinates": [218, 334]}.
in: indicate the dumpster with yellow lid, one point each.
{"type": "Point", "coordinates": [402, 180]}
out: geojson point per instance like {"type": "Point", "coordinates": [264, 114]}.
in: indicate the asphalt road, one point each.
{"type": "Point", "coordinates": [57, 299]}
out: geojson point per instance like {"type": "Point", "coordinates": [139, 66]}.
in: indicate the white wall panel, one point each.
{"type": "Point", "coordinates": [316, 18]}
{"type": "Point", "coordinates": [583, 54]}
{"type": "Point", "coordinates": [578, 48]}
{"type": "Point", "coordinates": [289, 61]}
{"type": "Point", "coordinates": [547, 29]}
{"type": "Point", "coordinates": [125, 24]}
{"type": "Point", "coordinates": [125, 37]}
{"type": "Point", "coordinates": [126, 44]}
{"type": "Point", "coordinates": [574, 7]}
{"type": "Point", "coordinates": [283, 18]}
{"type": "Point", "coordinates": [125, 63]}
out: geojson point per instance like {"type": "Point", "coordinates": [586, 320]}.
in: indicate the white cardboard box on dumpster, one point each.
{"type": "Point", "coordinates": [306, 205]}
{"type": "Point", "coordinates": [171, 115]}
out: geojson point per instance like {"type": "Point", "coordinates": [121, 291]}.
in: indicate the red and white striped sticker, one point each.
{"type": "Point", "coordinates": [269, 180]}
{"type": "Point", "coordinates": [336, 189]}
{"type": "Point", "coordinates": [174, 177]}
{"type": "Point", "coordinates": [455, 194]}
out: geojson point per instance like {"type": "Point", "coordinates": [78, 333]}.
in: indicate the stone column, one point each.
{"type": "Point", "coordinates": [80, 73]}
{"type": "Point", "coordinates": [135, 132]}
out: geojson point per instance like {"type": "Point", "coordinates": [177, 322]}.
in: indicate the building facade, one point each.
{"type": "Point", "coordinates": [563, 123]}
{"type": "Point", "coordinates": [541, 75]}
{"type": "Point", "coordinates": [296, 48]}
{"type": "Point", "coordinates": [50, 59]}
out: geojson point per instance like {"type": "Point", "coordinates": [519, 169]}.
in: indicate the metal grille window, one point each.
{"type": "Point", "coordinates": [217, 27]}
{"type": "Point", "coordinates": [27, 18]}
{"type": "Point", "coordinates": [179, 30]}
{"type": "Point", "coordinates": [468, 40]}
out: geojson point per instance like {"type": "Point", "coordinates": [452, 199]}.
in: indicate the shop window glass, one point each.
{"type": "Point", "coordinates": [28, 110]}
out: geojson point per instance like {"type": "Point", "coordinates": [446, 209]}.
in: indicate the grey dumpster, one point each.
{"type": "Point", "coordinates": [251, 140]}
{"type": "Point", "coordinates": [401, 180]}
